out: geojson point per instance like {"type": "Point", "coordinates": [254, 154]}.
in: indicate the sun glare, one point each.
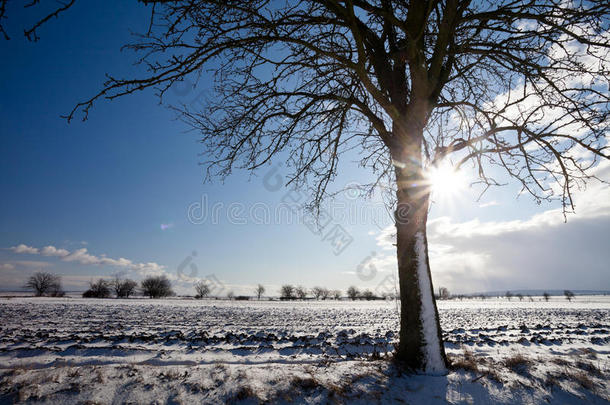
{"type": "Point", "coordinates": [445, 181]}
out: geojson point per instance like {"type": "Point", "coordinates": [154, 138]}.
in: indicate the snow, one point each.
{"type": "Point", "coordinates": [433, 359]}
{"type": "Point", "coordinates": [74, 350]}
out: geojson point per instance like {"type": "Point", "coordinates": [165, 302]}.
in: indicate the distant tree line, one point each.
{"type": "Point", "coordinates": [151, 286]}
{"type": "Point", "coordinates": [291, 292]}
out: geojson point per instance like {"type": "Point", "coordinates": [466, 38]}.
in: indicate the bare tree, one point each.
{"type": "Point", "coordinates": [443, 293]}
{"type": "Point", "coordinates": [508, 295]}
{"type": "Point", "coordinates": [546, 296]}
{"type": "Point", "coordinates": [300, 292]}
{"type": "Point", "coordinates": [336, 294]}
{"type": "Point", "coordinates": [569, 295]}
{"type": "Point", "coordinates": [98, 289]}
{"type": "Point", "coordinates": [353, 293]}
{"type": "Point", "coordinates": [412, 85]}
{"type": "Point", "coordinates": [157, 287]}
{"type": "Point", "coordinates": [520, 296]}
{"type": "Point", "coordinates": [317, 292]}
{"type": "Point", "coordinates": [260, 290]}
{"type": "Point", "coordinates": [287, 292]}
{"type": "Point", "coordinates": [230, 295]}
{"type": "Point", "coordinates": [368, 295]}
{"type": "Point", "coordinates": [44, 283]}
{"type": "Point", "coordinates": [202, 289]}
{"type": "Point", "coordinates": [123, 288]}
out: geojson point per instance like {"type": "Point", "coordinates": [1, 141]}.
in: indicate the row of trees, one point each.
{"type": "Point", "coordinates": [122, 288]}
{"type": "Point", "coordinates": [567, 293]}
{"type": "Point", "coordinates": [44, 283]}
{"type": "Point", "coordinates": [291, 292]}
{"type": "Point", "coordinates": [152, 286]}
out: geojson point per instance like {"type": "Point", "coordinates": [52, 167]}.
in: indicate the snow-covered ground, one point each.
{"type": "Point", "coordinates": [71, 350]}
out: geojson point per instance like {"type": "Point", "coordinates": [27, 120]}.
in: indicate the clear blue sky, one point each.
{"type": "Point", "coordinates": [110, 183]}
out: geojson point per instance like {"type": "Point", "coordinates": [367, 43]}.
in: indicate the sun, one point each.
{"type": "Point", "coordinates": [444, 181]}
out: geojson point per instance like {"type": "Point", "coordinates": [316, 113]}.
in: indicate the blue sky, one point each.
{"type": "Point", "coordinates": [120, 184]}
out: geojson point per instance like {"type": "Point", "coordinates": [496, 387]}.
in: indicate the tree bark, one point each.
{"type": "Point", "coordinates": [421, 346]}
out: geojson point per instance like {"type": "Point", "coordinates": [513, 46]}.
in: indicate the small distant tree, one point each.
{"type": "Point", "coordinates": [316, 292]}
{"type": "Point", "coordinates": [44, 283]}
{"type": "Point", "coordinates": [368, 295]}
{"type": "Point", "coordinates": [300, 292]}
{"type": "Point", "coordinates": [230, 295]}
{"type": "Point", "coordinates": [546, 296]}
{"type": "Point", "coordinates": [98, 289]}
{"type": "Point", "coordinates": [123, 288]}
{"type": "Point", "coordinates": [156, 287]}
{"type": "Point", "coordinates": [520, 296]}
{"type": "Point", "coordinates": [569, 295]}
{"type": "Point", "coordinates": [353, 293]}
{"type": "Point", "coordinates": [508, 295]}
{"type": "Point", "coordinates": [202, 289]}
{"type": "Point", "coordinates": [443, 293]}
{"type": "Point", "coordinates": [260, 290]}
{"type": "Point", "coordinates": [287, 292]}
{"type": "Point", "coordinates": [337, 294]}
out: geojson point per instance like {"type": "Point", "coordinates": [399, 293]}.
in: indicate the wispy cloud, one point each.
{"type": "Point", "coordinates": [492, 203]}
{"type": "Point", "coordinates": [82, 256]}
{"type": "Point", "coordinates": [24, 249]}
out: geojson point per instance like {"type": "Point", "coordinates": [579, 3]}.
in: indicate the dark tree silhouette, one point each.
{"type": "Point", "coordinates": [98, 289]}
{"type": "Point", "coordinates": [521, 85]}
{"type": "Point", "coordinates": [156, 287]}
{"type": "Point", "coordinates": [123, 288]}
{"type": "Point", "coordinates": [44, 283]}
{"type": "Point", "coordinates": [569, 295]}
{"type": "Point", "coordinates": [202, 289]}
{"type": "Point", "coordinates": [353, 293]}
{"type": "Point", "coordinates": [287, 292]}
{"type": "Point", "coordinates": [546, 296]}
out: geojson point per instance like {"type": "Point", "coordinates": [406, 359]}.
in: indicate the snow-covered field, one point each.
{"type": "Point", "coordinates": [185, 351]}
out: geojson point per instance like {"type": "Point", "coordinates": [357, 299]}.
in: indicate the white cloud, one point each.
{"type": "Point", "coordinates": [82, 256]}
{"type": "Point", "coordinates": [24, 249]}
{"type": "Point", "coordinates": [53, 251]}
{"type": "Point", "coordinates": [489, 204]}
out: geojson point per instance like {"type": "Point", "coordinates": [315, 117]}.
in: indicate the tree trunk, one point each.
{"type": "Point", "coordinates": [421, 346]}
